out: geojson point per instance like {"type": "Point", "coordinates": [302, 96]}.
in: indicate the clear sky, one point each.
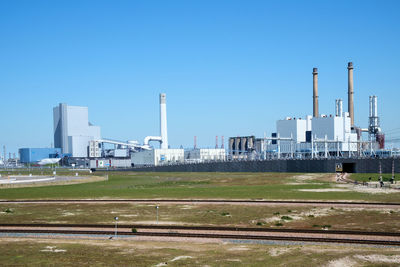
{"type": "Point", "coordinates": [228, 67]}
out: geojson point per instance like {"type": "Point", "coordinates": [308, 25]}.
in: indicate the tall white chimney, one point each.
{"type": "Point", "coordinates": [163, 121]}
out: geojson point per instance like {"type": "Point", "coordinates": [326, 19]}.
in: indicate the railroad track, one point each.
{"type": "Point", "coordinates": [232, 233]}
{"type": "Point", "coordinates": [207, 228]}
{"type": "Point", "coordinates": [204, 201]}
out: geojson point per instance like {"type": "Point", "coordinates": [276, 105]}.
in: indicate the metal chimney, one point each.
{"type": "Point", "coordinates": [315, 92]}
{"type": "Point", "coordinates": [163, 121]}
{"type": "Point", "coordinates": [339, 107]}
{"type": "Point", "coordinates": [350, 92]}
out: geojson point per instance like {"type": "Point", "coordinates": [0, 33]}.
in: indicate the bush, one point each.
{"type": "Point", "coordinates": [311, 216]}
{"type": "Point", "coordinates": [134, 230]}
{"type": "Point", "coordinates": [326, 226]}
{"type": "Point", "coordinates": [315, 225]}
{"type": "Point", "coordinates": [225, 214]}
{"type": "Point", "coordinates": [289, 210]}
{"type": "Point", "coordinates": [8, 210]}
{"type": "Point", "coordinates": [276, 213]}
{"type": "Point", "coordinates": [259, 223]}
{"type": "Point", "coordinates": [287, 218]}
{"type": "Point", "coordinates": [279, 224]}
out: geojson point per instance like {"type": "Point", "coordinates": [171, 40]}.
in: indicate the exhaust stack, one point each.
{"type": "Point", "coordinates": [163, 121]}
{"type": "Point", "coordinates": [339, 108]}
{"type": "Point", "coordinates": [315, 92]}
{"type": "Point", "coordinates": [350, 92]}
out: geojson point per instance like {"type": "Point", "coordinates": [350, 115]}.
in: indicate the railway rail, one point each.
{"type": "Point", "coordinates": [232, 233]}
{"type": "Point", "coordinates": [207, 228]}
{"type": "Point", "coordinates": [204, 201]}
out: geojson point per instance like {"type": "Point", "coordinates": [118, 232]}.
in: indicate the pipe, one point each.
{"type": "Point", "coordinates": [350, 92]}
{"type": "Point", "coordinates": [315, 92]}
{"type": "Point", "coordinates": [163, 121]}
{"type": "Point", "coordinates": [147, 139]}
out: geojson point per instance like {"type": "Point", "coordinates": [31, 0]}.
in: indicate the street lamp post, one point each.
{"type": "Point", "coordinates": [116, 227]}
{"type": "Point", "coordinates": [157, 207]}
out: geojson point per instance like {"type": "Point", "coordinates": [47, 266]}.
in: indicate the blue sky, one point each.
{"type": "Point", "coordinates": [228, 67]}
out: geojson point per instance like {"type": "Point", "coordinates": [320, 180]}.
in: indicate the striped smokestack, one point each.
{"type": "Point", "coordinates": [350, 92]}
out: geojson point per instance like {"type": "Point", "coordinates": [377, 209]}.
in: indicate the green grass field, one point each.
{"type": "Point", "coordinates": [63, 252]}
{"type": "Point", "coordinates": [298, 217]}
{"type": "Point", "coordinates": [202, 186]}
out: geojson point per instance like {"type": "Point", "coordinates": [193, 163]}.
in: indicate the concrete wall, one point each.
{"type": "Point", "coordinates": [317, 165]}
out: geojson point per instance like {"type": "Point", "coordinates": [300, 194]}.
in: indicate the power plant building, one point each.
{"type": "Point", "coordinates": [294, 128]}
{"type": "Point", "coordinates": [73, 131]}
{"type": "Point", "coordinates": [157, 157]}
{"type": "Point", "coordinates": [30, 155]}
{"type": "Point", "coordinates": [205, 154]}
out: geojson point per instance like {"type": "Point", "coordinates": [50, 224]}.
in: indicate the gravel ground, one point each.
{"type": "Point", "coordinates": [244, 233]}
{"type": "Point", "coordinates": [180, 239]}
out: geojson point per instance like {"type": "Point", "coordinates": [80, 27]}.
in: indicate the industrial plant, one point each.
{"type": "Point", "coordinates": [79, 143]}
{"type": "Point", "coordinates": [319, 135]}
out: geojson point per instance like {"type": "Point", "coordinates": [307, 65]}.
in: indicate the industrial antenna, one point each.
{"type": "Point", "coordinates": [195, 142]}
{"type": "Point", "coordinates": [216, 141]}
{"type": "Point", "coordinates": [5, 153]}
{"type": "Point", "coordinates": [222, 142]}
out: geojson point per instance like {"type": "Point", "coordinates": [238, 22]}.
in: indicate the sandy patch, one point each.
{"type": "Point", "coordinates": [68, 214]}
{"type": "Point", "coordinates": [379, 258]}
{"type": "Point", "coordinates": [306, 177]}
{"type": "Point", "coordinates": [325, 190]}
{"type": "Point", "coordinates": [187, 207]}
{"type": "Point", "coordinates": [367, 189]}
{"type": "Point", "coordinates": [52, 249]}
{"type": "Point", "coordinates": [181, 258]}
{"type": "Point", "coordinates": [240, 248]}
{"type": "Point", "coordinates": [298, 183]}
{"type": "Point", "coordinates": [343, 262]}
{"type": "Point", "coordinates": [278, 251]}
{"type": "Point", "coordinates": [316, 212]}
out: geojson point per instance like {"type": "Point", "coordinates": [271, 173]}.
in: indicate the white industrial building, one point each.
{"type": "Point", "coordinates": [73, 131]}
{"type": "Point", "coordinates": [294, 128]}
{"type": "Point", "coordinates": [157, 157]}
{"type": "Point", "coordinates": [205, 154]}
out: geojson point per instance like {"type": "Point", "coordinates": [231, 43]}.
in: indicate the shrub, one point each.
{"type": "Point", "coordinates": [279, 224]}
{"type": "Point", "coordinates": [326, 226]}
{"type": "Point", "coordinates": [311, 216]}
{"type": "Point", "coordinates": [287, 218]}
{"type": "Point", "coordinates": [276, 213]}
{"type": "Point", "coordinates": [134, 230]}
{"type": "Point", "coordinates": [259, 223]}
{"type": "Point", "coordinates": [289, 210]}
{"type": "Point", "coordinates": [8, 210]}
{"type": "Point", "coordinates": [225, 214]}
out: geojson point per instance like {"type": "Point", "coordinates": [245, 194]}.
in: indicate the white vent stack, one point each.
{"type": "Point", "coordinates": [339, 107]}
{"type": "Point", "coordinates": [315, 92]}
{"type": "Point", "coordinates": [163, 121]}
{"type": "Point", "coordinates": [374, 126]}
